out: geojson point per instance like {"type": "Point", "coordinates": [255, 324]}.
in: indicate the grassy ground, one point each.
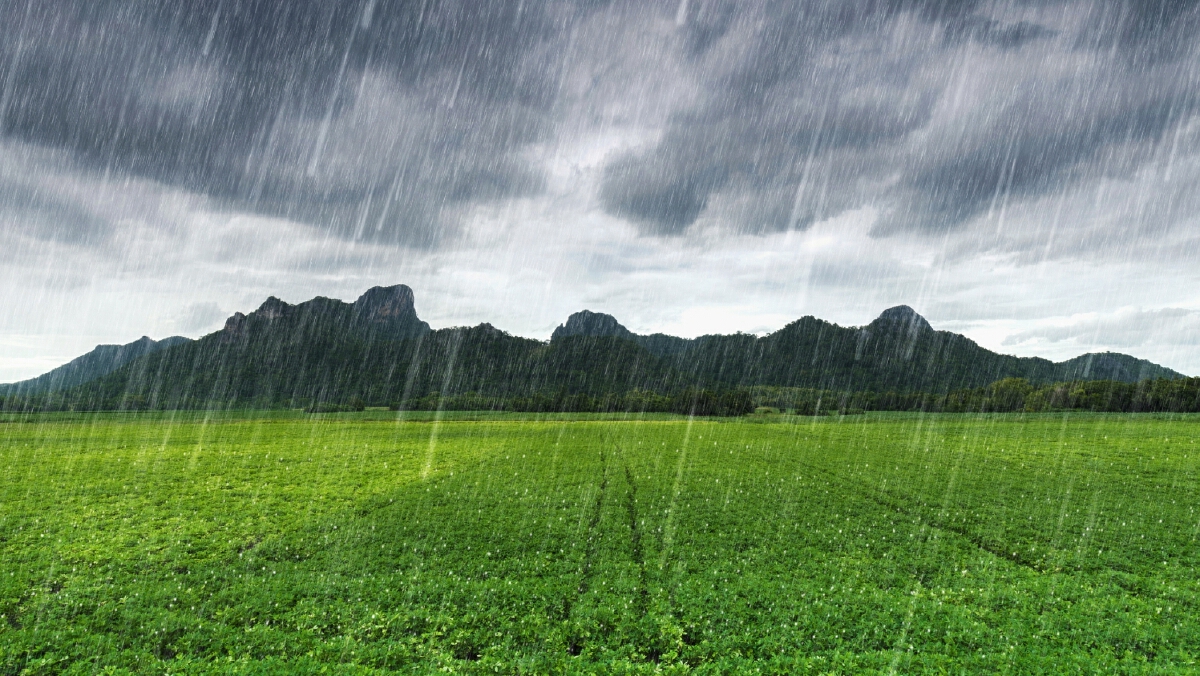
{"type": "Point", "coordinates": [494, 543]}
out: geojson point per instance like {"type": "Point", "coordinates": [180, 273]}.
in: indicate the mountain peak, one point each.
{"type": "Point", "coordinates": [588, 323]}
{"type": "Point", "coordinates": [392, 305]}
{"type": "Point", "coordinates": [389, 309]}
{"type": "Point", "coordinates": [272, 308]}
{"type": "Point", "coordinates": [904, 316]}
{"type": "Point", "coordinates": [381, 303]}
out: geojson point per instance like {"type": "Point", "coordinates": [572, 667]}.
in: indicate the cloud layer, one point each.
{"type": "Point", "coordinates": [1012, 165]}
{"type": "Point", "coordinates": [384, 118]}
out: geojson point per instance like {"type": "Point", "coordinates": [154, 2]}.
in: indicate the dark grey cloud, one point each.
{"type": "Point", "coordinates": [369, 117]}
{"type": "Point", "coordinates": [807, 82]}
{"type": "Point", "coordinates": [1143, 30]}
{"type": "Point", "coordinates": [388, 119]}
{"type": "Point", "coordinates": [1036, 145]}
{"type": "Point", "coordinates": [825, 107]}
{"type": "Point", "coordinates": [992, 32]}
{"type": "Point", "coordinates": [48, 218]}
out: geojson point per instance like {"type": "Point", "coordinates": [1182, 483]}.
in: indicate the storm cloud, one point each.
{"type": "Point", "coordinates": [936, 113]}
{"type": "Point", "coordinates": [1004, 165]}
{"type": "Point", "coordinates": [368, 118]}
{"type": "Point", "coordinates": [388, 119]}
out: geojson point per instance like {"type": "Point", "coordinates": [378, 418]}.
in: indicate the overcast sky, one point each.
{"type": "Point", "coordinates": [1026, 173]}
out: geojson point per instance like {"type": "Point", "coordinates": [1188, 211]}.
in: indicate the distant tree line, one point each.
{"type": "Point", "coordinates": [1017, 394]}
{"type": "Point", "coordinates": [691, 401]}
{"type": "Point", "coordinates": [1006, 395]}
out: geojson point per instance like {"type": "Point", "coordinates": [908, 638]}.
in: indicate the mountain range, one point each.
{"type": "Point", "coordinates": [897, 351]}
{"type": "Point", "coordinates": [378, 350]}
{"type": "Point", "coordinates": [101, 361]}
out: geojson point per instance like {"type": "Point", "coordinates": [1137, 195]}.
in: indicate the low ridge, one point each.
{"type": "Point", "coordinates": [898, 350]}
{"type": "Point", "coordinates": [101, 361]}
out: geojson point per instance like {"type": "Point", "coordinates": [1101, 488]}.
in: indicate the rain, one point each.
{"type": "Point", "coordinates": [599, 336]}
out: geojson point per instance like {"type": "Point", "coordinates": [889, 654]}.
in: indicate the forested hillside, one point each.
{"type": "Point", "coordinates": [376, 351]}
{"type": "Point", "coordinates": [101, 361]}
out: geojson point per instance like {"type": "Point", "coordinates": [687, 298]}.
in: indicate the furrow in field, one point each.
{"type": "Point", "coordinates": [592, 535]}
{"type": "Point", "coordinates": [885, 499]}
{"type": "Point", "coordinates": [642, 599]}
{"type": "Point", "coordinates": [905, 505]}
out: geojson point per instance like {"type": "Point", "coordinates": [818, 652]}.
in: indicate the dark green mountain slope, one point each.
{"type": "Point", "coordinates": [898, 351]}
{"type": "Point", "coordinates": [327, 350]}
{"type": "Point", "coordinates": [1113, 366]}
{"type": "Point", "coordinates": [99, 362]}
{"type": "Point", "coordinates": [377, 349]}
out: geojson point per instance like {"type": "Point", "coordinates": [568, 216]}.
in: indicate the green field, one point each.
{"type": "Point", "coordinates": [483, 543]}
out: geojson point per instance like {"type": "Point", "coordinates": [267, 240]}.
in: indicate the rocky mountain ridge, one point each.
{"type": "Point", "coordinates": [101, 361]}
{"type": "Point", "coordinates": [905, 332]}
{"type": "Point", "coordinates": [377, 349]}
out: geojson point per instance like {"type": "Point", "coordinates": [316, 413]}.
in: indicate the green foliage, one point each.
{"type": "Point", "coordinates": [686, 402]}
{"type": "Point", "coordinates": [324, 353]}
{"type": "Point", "coordinates": [1009, 395]}
{"type": "Point", "coordinates": [882, 357]}
{"type": "Point", "coordinates": [102, 360]}
{"type": "Point", "coordinates": [1164, 396]}
{"type": "Point", "coordinates": [380, 542]}
{"type": "Point", "coordinates": [355, 404]}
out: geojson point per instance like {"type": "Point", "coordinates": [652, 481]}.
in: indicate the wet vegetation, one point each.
{"type": "Point", "coordinates": [489, 542]}
{"type": "Point", "coordinates": [1006, 396]}
{"type": "Point", "coordinates": [324, 355]}
{"type": "Point", "coordinates": [320, 486]}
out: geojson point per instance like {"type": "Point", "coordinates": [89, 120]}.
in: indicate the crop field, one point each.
{"type": "Point", "coordinates": [366, 543]}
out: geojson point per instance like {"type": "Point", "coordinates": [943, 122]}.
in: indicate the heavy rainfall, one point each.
{"type": "Point", "coordinates": [599, 336]}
